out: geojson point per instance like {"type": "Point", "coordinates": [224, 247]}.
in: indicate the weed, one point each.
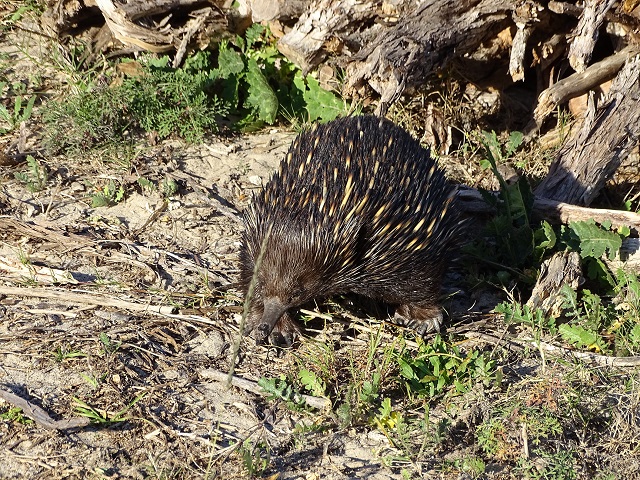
{"type": "Point", "coordinates": [93, 118]}
{"type": "Point", "coordinates": [255, 457]}
{"type": "Point", "coordinates": [282, 389]}
{"type": "Point", "coordinates": [66, 352]}
{"type": "Point", "coordinates": [166, 100]}
{"type": "Point", "coordinates": [472, 466]}
{"type": "Point", "coordinates": [102, 417]}
{"type": "Point", "coordinates": [110, 195]}
{"type": "Point", "coordinates": [516, 313]}
{"type": "Point", "coordinates": [547, 466]}
{"type": "Point", "coordinates": [364, 381]}
{"type": "Point", "coordinates": [28, 8]}
{"type": "Point", "coordinates": [35, 178]}
{"type": "Point", "coordinates": [108, 344]}
{"type": "Point", "coordinates": [500, 435]}
{"type": "Point", "coordinates": [436, 367]}
{"type": "Point", "coordinates": [412, 435]}
{"type": "Point", "coordinates": [15, 414]}
{"type": "Point", "coordinates": [515, 243]}
{"type": "Point", "coordinates": [261, 83]}
{"type": "Point", "coordinates": [169, 187]}
{"type": "Point", "coordinates": [94, 381]}
{"type": "Point", "coordinates": [21, 111]}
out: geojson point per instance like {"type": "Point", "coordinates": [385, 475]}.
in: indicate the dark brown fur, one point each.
{"type": "Point", "coordinates": [356, 206]}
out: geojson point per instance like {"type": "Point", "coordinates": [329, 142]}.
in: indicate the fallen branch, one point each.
{"type": "Point", "coordinates": [40, 416]}
{"type": "Point", "coordinates": [86, 299]}
{"type": "Point", "coordinates": [556, 212]}
{"type": "Point", "coordinates": [580, 83]}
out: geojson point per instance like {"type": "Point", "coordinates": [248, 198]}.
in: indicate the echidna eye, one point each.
{"type": "Point", "coordinates": [295, 296]}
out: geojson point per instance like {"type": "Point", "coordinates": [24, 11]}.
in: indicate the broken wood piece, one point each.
{"type": "Point", "coordinates": [525, 16]}
{"type": "Point", "coordinates": [305, 43]}
{"type": "Point", "coordinates": [593, 153]}
{"type": "Point", "coordinates": [580, 83]}
{"type": "Point", "coordinates": [86, 299]}
{"type": "Point", "coordinates": [39, 415]}
{"type": "Point", "coordinates": [281, 10]}
{"type": "Point", "coordinates": [586, 32]}
{"type": "Point", "coordinates": [556, 212]}
{"type": "Point", "coordinates": [130, 33]}
{"type": "Point", "coordinates": [563, 268]}
{"type": "Point", "coordinates": [426, 40]}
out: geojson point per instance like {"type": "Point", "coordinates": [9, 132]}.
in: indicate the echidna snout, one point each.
{"type": "Point", "coordinates": [359, 206]}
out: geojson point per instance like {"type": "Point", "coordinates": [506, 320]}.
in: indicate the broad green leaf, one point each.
{"type": "Point", "coordinates": [261, 96]}
{"type": "Point", "coordinates": [321, 104]}
{"type": "Point", "coordinates": [594, 241]}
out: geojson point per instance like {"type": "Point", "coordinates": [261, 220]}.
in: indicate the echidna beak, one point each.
{"type": "Point", "coordinates": [273, 310]}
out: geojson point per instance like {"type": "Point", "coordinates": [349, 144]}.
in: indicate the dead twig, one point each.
{"type": "Point", "coordinates": [40, 416]}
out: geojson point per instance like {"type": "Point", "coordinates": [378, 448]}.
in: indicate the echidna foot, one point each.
{"type": "Point", "coordinates": [422, 319]}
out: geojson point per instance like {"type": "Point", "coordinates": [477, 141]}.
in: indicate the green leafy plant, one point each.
{"type": "Point", "coordinates": [66, 352]}
{"type": "Point", "coordinates": [439, 368]}
{"type": "Point", "coordinates": [110, 195]}
{"type": "Point", "coordinates": [312, 383]}
{"type": "Point", "coordinates": [282, 389]}
{"type": "Point", "coordinates": [21, 111]}
{"type": "Point", "coordinates": [15, 414]}
{"type": "Point", "coordinates": [255, 457]}
{"type": "Point", "coordinates": [260, 83]}
{"type": "Point", "coordinates": [516, 313]}
{"type": "Point", "coordinates": [35, 178]}
{"type": "Point", "coordinates": [102, 417]}
{"type": "Point", "coordinates": [593, 242]}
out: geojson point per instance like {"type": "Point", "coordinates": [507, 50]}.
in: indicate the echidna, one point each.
{"type": "Point", "coordinates": [359, 206]}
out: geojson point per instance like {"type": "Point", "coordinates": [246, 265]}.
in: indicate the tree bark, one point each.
{"type": "Point", "coordinates": [404, 55]}
{"type": "Point", "coordinates": [594, 152]}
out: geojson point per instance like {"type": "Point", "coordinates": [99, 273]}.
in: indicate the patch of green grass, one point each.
{"type": "Point", "coordinates": [102, 417]}
{"type": "Point", "coordinates": [15, 414]}
{"type": "Point", "coordinates": [92, 118]}
{"type": "Point", "coordinates": [247, 81]}
{"type": "Point", "coordinates": [438, 368]}
{"type": "Point", "coordinates": [501, 435]}
{"type": "Point", "coordinates": [66, 352]}
{"type": "Point", "coordinates": [35, 177]}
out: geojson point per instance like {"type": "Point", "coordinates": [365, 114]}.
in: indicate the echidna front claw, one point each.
{"type": "Point", "coordinates": [421, 319]}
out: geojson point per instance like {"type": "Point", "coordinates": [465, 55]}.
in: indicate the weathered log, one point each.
{"type": "Point", "coordinates": [281, 10]}
{"type": "Point", "coordinates": [150, 25]}
{"type": "Point", "coordinates": [586, 32]}
{"type": "Point", "coordinates": [556, 212]}
{"type": "Point", "coordinates": [304, 45]}
{"type": "Point", "coordinates": [580, 83]}
{"type": "Point", "coordinates": [428, 39]}
{"type": "Point", "coordinates": [594, 152]}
